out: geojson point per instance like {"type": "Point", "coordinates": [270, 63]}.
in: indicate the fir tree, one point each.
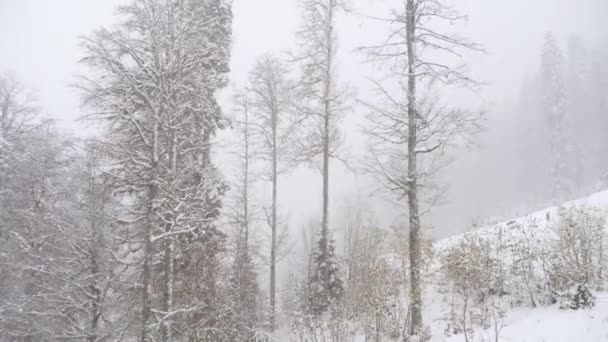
{"type": "Point", "coordinates": [326, 283]}
{"type": "Point", "coordinates": [583, 298]}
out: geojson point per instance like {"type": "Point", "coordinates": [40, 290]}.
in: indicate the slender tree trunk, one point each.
{"type": "Point", "coordinates": [246, 191]}
{"type": "Point", "coordinates": [168, 261]}
{"type": "Point", "coordinates": [412, 179]}
{"type": "Point", "coordinates": [600, 262]}
{"type": "Point", "coordinates": [464, 318]}
{"type": "Point", "coordinates": [93, 288]}
{"type": "Point", "coordinates": [244, 254]}
{"type": "Point", "coordinates": [146, 305]}
{"type": "Point", "coordinates": [273, 247]}
{"type": "Point", "coordinates": [94, 257]}
{"type": "Point", "coordinates": [326, 128]}
{"type": "Point", "coordinates": [168, 291]}
{"type": "Point", "coordinates": [146, 295]}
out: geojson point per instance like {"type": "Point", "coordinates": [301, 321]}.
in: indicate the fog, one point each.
{"type": "Point", "coordinates": [274, 170]}
{"type": "Point", "coordinates": [38, 40]}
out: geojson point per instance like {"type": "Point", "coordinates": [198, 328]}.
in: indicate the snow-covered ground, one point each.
{"type": "Point", "coordinates": [542, 324]}
{"type": "Point", "coordinates": [547, 324]}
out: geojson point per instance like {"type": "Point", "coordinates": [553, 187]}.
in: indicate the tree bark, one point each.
{"type": "Point", "coordinates": [168, 261]}
{"type": "Point", "coordinates": [412, 178]}
{"type": "Point", "coordinates": [326, 124]}
{"type": "Point", "coordinates": [146, 308]}
{"type": "Point", "coordinates": [273, 247]}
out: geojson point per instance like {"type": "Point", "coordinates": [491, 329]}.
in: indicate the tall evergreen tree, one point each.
{"type": "Point", "coordinates": [326, 280]}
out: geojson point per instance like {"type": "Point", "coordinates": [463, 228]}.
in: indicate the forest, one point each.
{"type": "Point", "coordinates": [287, 203]}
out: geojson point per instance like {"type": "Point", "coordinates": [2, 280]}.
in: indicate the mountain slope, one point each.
{"type": "Point", "coordinates": [521, 323]}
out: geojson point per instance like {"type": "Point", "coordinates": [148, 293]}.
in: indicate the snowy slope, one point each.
{"type": "Point", "coordinates": [550, 324]}
{"type": "Point", "coordinates": [520, 323]}
{"type": "Point", "coordinates": [543, 324]}
{"type": "Point", "coordinates": [542, 218]}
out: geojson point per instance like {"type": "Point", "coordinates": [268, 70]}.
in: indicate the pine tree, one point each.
{"type": "Point", "coordinates": [326, 280]}
{"type": "Point", "coordinates": [583, 298]}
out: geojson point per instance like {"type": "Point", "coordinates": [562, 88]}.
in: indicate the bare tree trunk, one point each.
{"type": "Point", "coordinates": [95, 305]}
{"type": "Point", "coordinates": [464, 318]}
{"type": "Point", "coordinates": [326, 128]}
{"type": "Point", "coordinates": [412, 179]}
{"type": "Point", "coordinates": [146, 308]}
{"type": "Point", "coordinates": [273, 247]}
{"type": "Point", "coordinates": [168, 261]}
{"type": "Point", "coordinates": [168, 291]}
{"type": "Point", "coordinates": [246, 189]}
{"type": "Point", "coordinates": [378, 327]}
{"type": "Point", "coordinates": [95, 310]}
{"type": "Point", "coordinates": [601, 258]}
{"type": "Point", "coordinates": [496, 325]}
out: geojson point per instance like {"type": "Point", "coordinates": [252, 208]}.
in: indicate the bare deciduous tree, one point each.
{"type": "Point", "coordinates": [321, 103]}
{"type": "Point", "coordinates": [268, 94]}
{"type": "Point", "coordinates": [411, 131]}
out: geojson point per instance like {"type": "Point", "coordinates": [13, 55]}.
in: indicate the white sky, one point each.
{"type": "Point", "coordinates": [38, 44]}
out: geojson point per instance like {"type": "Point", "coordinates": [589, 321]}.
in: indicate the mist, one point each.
{"type": "Point", "coordinates": [535, 79]}
{"type": "Point", "coordinates": [39, 44]}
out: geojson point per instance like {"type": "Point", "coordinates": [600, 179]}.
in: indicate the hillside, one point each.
{"type": "Point", "coordinates": [523, 322]}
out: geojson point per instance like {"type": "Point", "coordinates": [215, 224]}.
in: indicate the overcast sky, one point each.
{"type": "Point", "coordinates": [38, 44]}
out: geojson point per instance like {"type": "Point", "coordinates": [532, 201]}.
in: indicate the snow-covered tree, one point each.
{"type": "Point", "coordinates": [576, 255]}
{"type": "Point", "coordinates": [413, 129]}
{"type": "Point", "coordinates": [373, 288]}
{"type": "Point", "coordinates": [326, 280]}
{"type": "Point", "coordinates": [321, 103]}
{"type": "Point", "coordinates": [54, 221]}
{"type": "Point", "coordinates": [152, 83]}
{"type": "Point", "coordinates": [473, 275]}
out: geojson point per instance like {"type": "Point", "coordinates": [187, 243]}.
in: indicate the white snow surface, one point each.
{"type": "Point", "coordinates": [542, 324]}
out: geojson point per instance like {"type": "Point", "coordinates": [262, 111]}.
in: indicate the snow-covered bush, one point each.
{"type": "Point", "coordinates": [373, 285]}
{"type": "Point", "coordinates": [574, 259]}
{"type": "Point", "coordinates": [576, 256]}
{"type": "Point", "coordinates": [472, 274]}
{"type": "Point", "coordinates": [526, 279]}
